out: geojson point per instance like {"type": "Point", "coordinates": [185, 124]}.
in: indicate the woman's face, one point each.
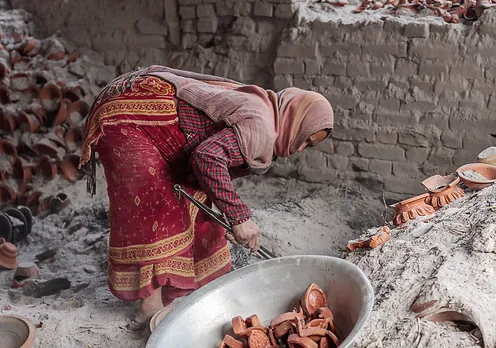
{"type": "Point", "coordinates": [314, 139]}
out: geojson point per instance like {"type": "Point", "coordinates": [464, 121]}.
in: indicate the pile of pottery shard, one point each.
{"type": "Point", "coordinates": [310, 324]}
{"type": "Point", "coordinates": [41, 119]}
{"type": "Point", "coordinates": [450, 11]}
{"type": "Point", "coordinates": [441, 191]}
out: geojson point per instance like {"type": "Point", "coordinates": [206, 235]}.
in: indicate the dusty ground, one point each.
{"type": "Point", "coordinates": [296, 218]}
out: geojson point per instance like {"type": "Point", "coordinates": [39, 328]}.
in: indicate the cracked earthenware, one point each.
{"type": "Point", "coordinates": [411, 209]}
{"type": "Point", "coordinates": [442, 190]}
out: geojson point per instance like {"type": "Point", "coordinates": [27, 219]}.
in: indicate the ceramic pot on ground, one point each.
{"type": "Point", "coordinates": [28, 122]}
{"type": "Point", "coordinates": [63, 112]}
{"type": "Point", "coordinates": [488, 156]}
{"type": "Point", "coordinates": [49, 148]}
{"type": "Point", "coordinates": [4, 94]}
{"type": "Point", "coordinates": [73, 138]}
{"type": "Point", "coordinates": [46, 168]}
{"type": "Point", "coordinates": [477, 176]}
{"type": "Point", "coordinates": [16, 332]}
{"type": "Point", "coordinates": [20, 82]}
{"type": "Point", "coordinates": [23, 272]}
{"type": "Point", "coordinates": [4, 68]}
{"type": "Point", "coordinates": [77, 112]}
{"type": "Point", "coordinates": [51, 97]}
{"type": "Point", "coordinates": [8, 255]}
{"type": "Point", "coordinates": [23, 171]}
{"type": "Point", "coordinates": [442, 190]}
{"type": "Point", "coordinates": [8, 151]}
{"type": "Point", "coordinates": [70, 170]}
{"type": "Point", "coordinates": [7, 194]}
{"type": "Point", "coordinates": [411, 209]}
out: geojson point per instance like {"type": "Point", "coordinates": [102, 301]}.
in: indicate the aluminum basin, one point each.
{"type": "Point", "coordinates": [268, 289]}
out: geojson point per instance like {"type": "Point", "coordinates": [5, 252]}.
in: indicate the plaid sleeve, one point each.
{"type": "Point", "coordinates": [211, 161]}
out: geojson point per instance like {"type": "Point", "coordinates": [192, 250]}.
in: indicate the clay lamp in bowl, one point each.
{"type": "Point", "coordinates": [16, 332]}
{"type": "Point", "coordinates": [442, 190]}
{"type": "Point", "coordinates": [411, 209]}
{"type": "Point", "coordinates": [477, 176]}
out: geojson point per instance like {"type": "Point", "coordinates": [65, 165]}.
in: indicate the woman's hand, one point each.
{"type": "Point", "coordinates": [246, 234]}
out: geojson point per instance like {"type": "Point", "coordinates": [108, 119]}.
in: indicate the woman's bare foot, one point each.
{"type": "Point", "coordinates": [149, 306]}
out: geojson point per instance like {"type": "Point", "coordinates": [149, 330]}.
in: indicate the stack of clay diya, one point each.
{"type": "Point", "coordinates": [310, 324]}
{"type": "Point", "coordinates": [41, 121]}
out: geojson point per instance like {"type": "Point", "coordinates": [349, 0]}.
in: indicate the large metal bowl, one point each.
{"type": "Point", "coordinates": [268, 289]}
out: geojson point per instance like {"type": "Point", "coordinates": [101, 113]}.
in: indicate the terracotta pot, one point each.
{"type": "Point", "coordinates": [77, 112]}
{"type": "Point", "coordinates": [4, 68]}
{"type": "Point", "coordinates": [8, 255]}
{"type": "Point", "coordinates": [477, 176]}
{"type": "Point", "coordinates": [14, 57]}
{"type": "Point", "coordinates": [74, 93]}
{"type": "Point", "coordinates": [8, 150]}
{"type": "Point", "coordinates": [32, 47]}
{"type": "Point", "coordinates": [56, 56]}
{"type": "Point", "coordinates": [49, 148]}
{"type": "Point", "coordinates": [442, 190]}
{"type": "Point", "coordinates": [30, 93]}
{"type": "Point", "coordinates": [9, 123]}
{"type": "Point", "coordinates": [20, 82]}
{"type": "Point", "coordinates": [73, 138]}
{"type": "Point", "coordinates": [4, 94]}
{"type": "Point", "coordinates": [19, 331]}
{"type": "Point", "coordinates": [38, 111]}
{"type": "Point", "coordinates": [28, 122]}
{"type": "Point", "coordinates": [70, 170]}
{"type": "Point", "coordinates": [22, 64]}
{"type": "Point", "coordinates": [23, 272]}
{"type": "Point", "coordinates": [23, 171]}
{"type": "Point", "coordinates": [63, 112]}
{"type": "Point", "coordinates": [488, 156]}
{"type": "Point", "coordinates": [412, 208]}
{"type": "Point", "coordinates": [50, 97]}
{"type": "Point", "coordinates": [72, 57]}
{"type": "Point", "coordinates": [46, 168]}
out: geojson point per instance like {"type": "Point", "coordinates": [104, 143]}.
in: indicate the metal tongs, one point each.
{"type": "Point", "coordinates": [219, 218]}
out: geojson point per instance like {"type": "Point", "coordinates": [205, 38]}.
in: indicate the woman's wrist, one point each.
{"type": "Point", "coordinates": [240, 221]}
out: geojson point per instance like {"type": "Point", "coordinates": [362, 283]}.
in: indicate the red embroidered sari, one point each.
{"type": "Point", "coordinates": [156, 240]}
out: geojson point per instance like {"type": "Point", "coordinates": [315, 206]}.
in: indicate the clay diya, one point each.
{"type": "Point", "coordinates": [8, 255]}
{"type": "Point", "coordinates": [28, 122]}
{"type": "Point", "coordinates": [16, 332]}
{"type": "Point", "coordinates": [488, 156]}
{"type": "Point", "coordinates": [63, 112]}
{"type": "Point", "coordinates": [46, 168]}
{"type": "Point", "coordinates": [477, 176]}
{"type": "Point", "coordinates": [411, 209]}
{"type": "Point", "coordinates": [50, 97]}
{"type": "Point", "coordinates": [70, 170]}
{"type": "Point", "coordinates": [23, 272]}
{"type": "Point", "coordinates": [442, 190]}
{"type": "Point", "coordinates": [297, 328]}
{"type": "Point", "coordinates": [73, 138]}
{"type": "Point", "coordinates": [20, 82]}
{"type": "Point", "coordinates": [49, 148]}
{"type": "Point", "coordinates": [77, 112]}
{"type": "Point", "coordinates": [7, 194]}
{"type": "Point", "coordinates": [4, 94]}
{"type": "Point", "coordinates": [8, 150]}
{"type": "Point", "coordinates": [4, 68]}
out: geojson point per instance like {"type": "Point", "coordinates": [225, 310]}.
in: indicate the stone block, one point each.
{"type": "Point", "coordinates": [390, 104]}
{"type": "Point", "coordinates": [313, 66]}
{"type": "Point", "coordinates": [422, 106]}
{"type": "Point", "coordinates": [284, 11]}
{"type": "Point", "coordinates": [477, 140]}
{"type": "Point", "coordinates": [416, 30]}
{"type": "Point", "coordinates": [323, 81]}
{"type": "Point", "coordinates": [359, 164]}
{"type": "Point", "coordinates": [383, 68]}
{"type": "Point", "coordinates": [315, 159]}
{"type": "Point", "coordinates": [442, 156]}
{"type": "Point", "coordinates": [207, 25]}
{"type": "Point", "coordinates": [302, 82]}
{"type": "Point", "coordinates": [189, 41]}
{"type": "Point", "coordinates": [338, 162]}
{"type": "Point", "coordinates": [358, 69]}
{"type": "Point", "coordinates": [188, 26]}
{"type": "Point", "coordinates": [224, 8]}
{"type": "Point", "coordinates": [400, 185]}
{"type": "Point", "coordinates": [296, 50]}
{"type": "Point", "coordinates": [431, 69]}
{"type": "Point", "coordinates": [416, 154]}
{"type": "Point", "coordinates": [263, 9]}
{"type": "Point", "coordinates": [288, 66]}
{"type": "Point", "coordinates": [381, 151]}
{"type": "Point", "coordinates": [345, 49]}
{"type": "Point", "coordinates": [380, 167]}
{"type": "Point", "coordinates": [282, 81]}
{"type": "Point", "coordinates": [364, 85]}
{"type": "Point", "coordinates": [462, 157]}
{"type": "Point", "coordinates": [413, 138]}
{"type": "Point", "coordinates": [205, 11]}
{"type": "Point", "coordinates": [406, 67]}
{"type": "Point", "coordinates": [406, 170]}
{"type": "Point", "coordinates": [396, 49]}
{"type": "Point", "coordinates": [187, 12]}
{"type": "Point", "coordinates": [189, 2]}
{"type": "Point", "coordinates": [345, 148]}
{"type": "Point", "coordinates": [317, 175]}
{"type": "Point", "coordinates": [433, 50]}
{"type": "Point", "coordinates": [241, 8]}
{"type": "Point", "coordinates": [387, 137]}
{"type": "Point", "coordinates": [244, 26]}
{"type": "Point", "coordinates": [344, 82]}
{"type": "Point", "coordinates": [147, 26]}
{"type": "Point", "coordinates": [325, 146]}
{"type": "Point", "coordinates": [453, 140]}
{"type": "Point", "coordinates": [332, 68]}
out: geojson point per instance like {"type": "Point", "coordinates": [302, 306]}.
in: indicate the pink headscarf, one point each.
{"type": "Point", "coordinates": [301, 114]}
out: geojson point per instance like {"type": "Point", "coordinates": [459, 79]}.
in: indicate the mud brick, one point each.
{"type": "Point", "coordinates": [332, 68]}
{"type": "Point", "coordinates": [288, 66]}
{"type": "Point", "coordinates": [263, 9]}
{"type": "Point", "coordinates": [413, 138]}
{"type": "Point", "coordinates": [433, 50]}
{"type": "Point", "coordinates": [380, 167]}
{"type": "Point", "coordinates": [284, 11]}
{"type": "Point", "coordinates": [400, 185]}
{"type": "Point", "coordinates": [417, 30]}
{"type": "Point", "coordinates": [345, 148]}
{"type": "Point", "coordinates": [283, 81]}
{"type": "Point", "coordinates": [433, 69]}
{"type": "Point", "coordinates": [207, 25]}
{"type": "Point", "coordinates": [205, 11]}
{"type": "Point", "coordinates": [453, 140]}
{"type": "Point", "coordinates": [290, 50]}
{"type": "Point", "coordinates": [313, 66]}
{"type": "Point", "coordinates": [187, 12]}
{"type": "Point", "coordinates": [339, 162]}
{"type": "Point", "coordinates": [441, 156]}
{"type": "Point", "coordinates": [406, 67]}
{"type": "Point", "coordinates": [406, 169]}
{"type": "Point", "coordinates": [380, 151]}
{"type": "Point", "coordinates": [346, 49]}
{"type": "Point", "coordinates": [387, 137]}
{"type": "Point", "coordinates": [384, 50]}
{"type": "Point", "coordinates": [359, 164]}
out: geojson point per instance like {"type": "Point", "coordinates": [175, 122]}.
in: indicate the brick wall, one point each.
{"type": "Point", "coordinates": [412, 97]}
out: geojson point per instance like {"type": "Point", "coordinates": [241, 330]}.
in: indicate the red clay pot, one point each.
{"type": "Point", "coordinates": [9, 123]}
{"type": "Point", "coordinates": [8, 255]}
{"type": "Point", "coordinates": [8, 150]}
{"type": "Point", "coordinates": [4, 69]}
{"type": "Point", "coordinates": [51, 97]}
{"type": "Point", "coordinates": [20, 82]}
{"type": "Point", "coordinates": [73, 138]}
{"type": "Point", "coordinates": [69, 167]}
{"type": "Point", "coordinates": [77, 112]}
{"type": "Point", "coordinates": [412, 208]}
{"type": "Point", "coordinates": [4, 94]}
{"type": "Point", "coordinates": [442, 190]}
{"type": "Point", "coordinates": [74, 93]}
{"type": "Point", "coordinates": [486, 170]}
{"type": "Point", "coordinates": [7, 194]}
{"type": "Point", "coordinates": [28, 122]}
{"type": "Point", "coordinates": [46, 168]}
{"type": "Point", "coordinates": [63, 112]}
{"type": "Point", "coordinates": [56, 56]}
